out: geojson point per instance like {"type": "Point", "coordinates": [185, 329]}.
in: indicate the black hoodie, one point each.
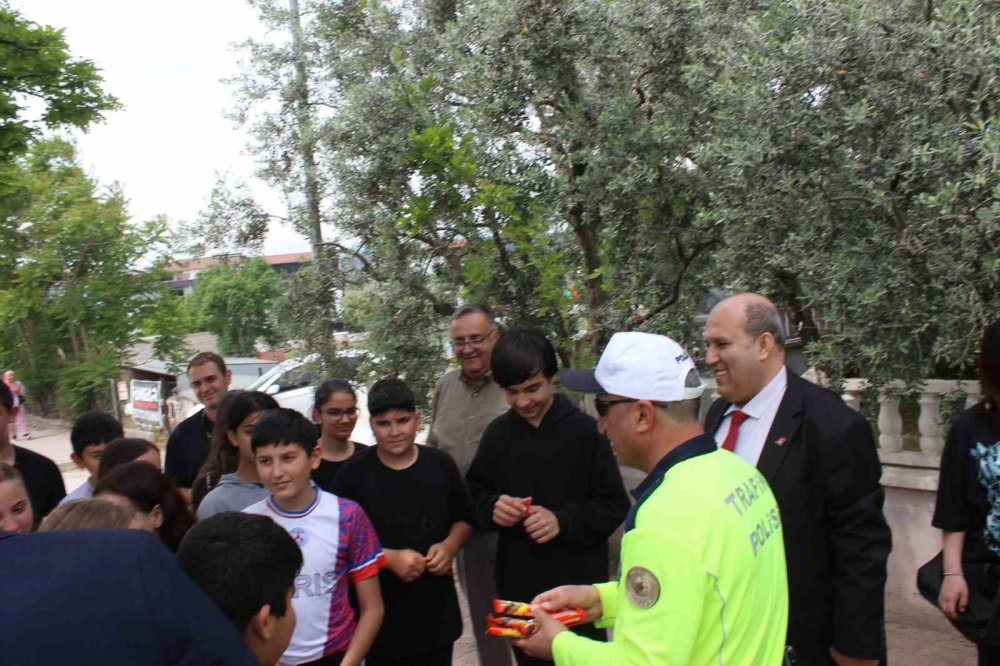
{"type": "Point", "coordinates": [564, 465]}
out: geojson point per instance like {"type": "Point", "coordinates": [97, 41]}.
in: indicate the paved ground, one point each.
{"type": "Point", "coordinates": [917, 636]}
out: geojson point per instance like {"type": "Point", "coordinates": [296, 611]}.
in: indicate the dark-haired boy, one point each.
{"type": "Point", "coordinates": [246, 564]}
{"type": "Point", "coordinates": [549, 452]}
{"type": "Point", "coordinates": [420, 507]}
{"type": "Point", "coordinates": [339, 546]}
{"type": "Point", "coordinates": [41, 476]}
{"type": "Point", "coordinates": [90, 434]}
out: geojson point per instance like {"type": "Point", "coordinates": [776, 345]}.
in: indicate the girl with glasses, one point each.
{"type": "Point", "coordinates": [336, 411]}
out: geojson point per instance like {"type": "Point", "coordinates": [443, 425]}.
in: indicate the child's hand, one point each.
{"type": "Point", "coordinates": [407, 564]}
{"type": "Point", "coordinates": [509, 511]}
{"type": "Point", "coordinates": [439, 559]}
{"type": "Point", "coordinates": [542, 525]}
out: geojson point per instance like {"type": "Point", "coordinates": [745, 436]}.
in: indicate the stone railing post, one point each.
{"type": "Point", "coordinates": [972, 395]}
{"type": "Point", "coordinates": [890, 423]}
{"type": "Point", "coordinates": [929, 423]}
{"type": "Point", "coordinates": [852, 393]}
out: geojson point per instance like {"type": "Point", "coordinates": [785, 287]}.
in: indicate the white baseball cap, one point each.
{"type": "Point", "coordinates": [643, 366]}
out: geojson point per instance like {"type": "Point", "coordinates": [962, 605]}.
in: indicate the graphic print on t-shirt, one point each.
{"type": "Point", "coordinates": [988, 466]}
{"type": "Point", "coordinates": [339, 545]}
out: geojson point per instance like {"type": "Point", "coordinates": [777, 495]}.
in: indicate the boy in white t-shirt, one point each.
{"type": "Point", "coordinates": [339, 546]}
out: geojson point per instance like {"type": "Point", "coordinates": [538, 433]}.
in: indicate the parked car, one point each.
{"type": "Point", "coordinates": [293, 384]}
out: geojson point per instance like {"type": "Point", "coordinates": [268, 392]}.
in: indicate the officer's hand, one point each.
{"type": "Point", "coordinates": [542, 525]}
{"type": "Point", "coordinates": [509, 511]}
{"type": "Point", "coordinates": [585, 597]}
{"type": "Point", "coordinates": [539, 644]}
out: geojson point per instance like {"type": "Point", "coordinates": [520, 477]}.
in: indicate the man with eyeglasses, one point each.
{"type": "Point", "coordinates": [464, 402]}
{"type": "Point", "coordinates": [702, 562]}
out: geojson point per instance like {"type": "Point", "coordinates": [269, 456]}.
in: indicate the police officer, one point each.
{"type": "Point", "coordinates": [702, 560]}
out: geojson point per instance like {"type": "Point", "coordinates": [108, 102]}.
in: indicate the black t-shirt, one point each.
{"type": "Point", "coordinates": [962, 504]}
{"type": "Point", "coordinates": [187, 449]}
{"type": "Point", "coordinates": [42, 479]}
{"type": "Point", "coordinates": [327, 470]}
{"type": "Point", "coordinates": [413, 508]}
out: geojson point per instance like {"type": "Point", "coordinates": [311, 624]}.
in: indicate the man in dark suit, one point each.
{"type": "Point", "coordinates": [819, 457]}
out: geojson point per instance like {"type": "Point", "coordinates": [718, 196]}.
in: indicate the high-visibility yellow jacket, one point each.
{"type": "Point", "coordinates": [703, 577]}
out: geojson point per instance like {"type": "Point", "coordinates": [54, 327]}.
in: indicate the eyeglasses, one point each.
{"type": "Point", "coordinates": [476, 341]}
{"type": "Point", "coordinates": [604, 405]}
{"type": "Point", "coordinates": [350, 412]}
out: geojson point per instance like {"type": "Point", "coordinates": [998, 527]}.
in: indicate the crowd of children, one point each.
{"type": "Point", "coordinates": [320, 550]}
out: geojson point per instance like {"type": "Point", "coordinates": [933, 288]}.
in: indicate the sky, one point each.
{"type": "Point", "coordinates": [165, 62]}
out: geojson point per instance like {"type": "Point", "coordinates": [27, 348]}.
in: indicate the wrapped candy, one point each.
{"type": "Point", "coordinates": [516, 620]}
{"type": "Point", "coordinates": [515, 608]}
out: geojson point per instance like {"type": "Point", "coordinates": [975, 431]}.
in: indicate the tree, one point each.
{"type": "Point", "coordinates": [35, 64]}
{"type": "Point", "coordinates": [235, 302]}
{"type": "Point", "coordinates": [854, 169]}
{"type": "Point", "coordinates": [79, 282]}
{"type": "Point", "coordinates": [597, 166]}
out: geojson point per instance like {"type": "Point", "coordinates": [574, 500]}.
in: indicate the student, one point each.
{"type": "Point", "coordinates": [224, 553]}
{"type": "Point", "coordinates": [15, 508]}
{"type": "Point", "coordinates": [41, 476]}
{"type": "Point", "coordinates": [126, 450]}
{"type": "Point", "coordinates": [339, 546]}
{"type": "Point", "coordinates": [91, 514]}
{"type": "Point", "coordinates": [90, 435]}
{"type": "Point", "coordinates": [148, 491]}
{"type": "Point", "coordinates": [420, 508]}
{"type": "Point", "coordinates": [546, 450]}
{"type": "Point", "coordinates": [336, 411]}
{"type": "Point", "coordinates": [230, 470]}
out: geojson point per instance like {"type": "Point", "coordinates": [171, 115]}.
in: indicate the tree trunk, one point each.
{"type": "Point", "coordinates": [306, 137]}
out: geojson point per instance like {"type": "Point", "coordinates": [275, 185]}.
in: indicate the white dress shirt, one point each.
{"type": "Point", "coordinates": [760, 412]}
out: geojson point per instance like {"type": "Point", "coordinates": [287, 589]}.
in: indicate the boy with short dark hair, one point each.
{"type": "Point", "coordinates": [247, 565]}
{"type": "Point", "coordinates": [420, 507]}
{"type": "Point", "coordinates": [337, 540]}
{"type": "Point", "coordinates": [546, 479]}
{"type": "Point", "coordinates": [90, 434]}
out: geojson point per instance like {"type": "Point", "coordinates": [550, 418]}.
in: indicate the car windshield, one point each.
{"type": "Point", "coordinates": [302, 372]}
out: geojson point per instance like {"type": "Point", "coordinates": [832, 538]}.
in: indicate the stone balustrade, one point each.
{"type": "Point", "coordinates": [918, 468]}
{"type": "Point", "coordinates": [902, 466]}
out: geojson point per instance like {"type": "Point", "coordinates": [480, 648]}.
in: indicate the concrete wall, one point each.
{"type": "Point", "coordinates": [914, 541]}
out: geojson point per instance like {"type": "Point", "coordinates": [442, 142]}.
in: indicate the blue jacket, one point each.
{"type": "Point", "coordinates": [108, 598]}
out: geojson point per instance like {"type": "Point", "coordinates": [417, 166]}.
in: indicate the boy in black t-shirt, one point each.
{"type": "Point", "coordinates": [420, 508]}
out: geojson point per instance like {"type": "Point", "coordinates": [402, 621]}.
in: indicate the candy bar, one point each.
{"type": "Point", "coordinates": [524, 625]}
{"type": "Point", "coordinates": [515, 608]}
{"type": "Point", "coordinates": [503, 632]}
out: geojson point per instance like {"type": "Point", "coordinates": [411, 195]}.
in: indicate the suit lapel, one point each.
{"type": "Point", "coordinates": [786, 424]}
{"type": "Point", "coordinates": [714, 416]}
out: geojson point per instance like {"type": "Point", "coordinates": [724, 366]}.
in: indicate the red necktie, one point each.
{"type": "Point", "coordinates": [736, 420]}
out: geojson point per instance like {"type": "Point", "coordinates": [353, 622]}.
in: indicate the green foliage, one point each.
{"type": "Point", "coordinates": [840, 158]}
{"type": "Point", "coordinates": [853, 164]}
{"type": "Point", "coordinates": [35, 64]}
{"type": "Point", "coordinates": [235, 302]}
{"type": "Point", "coordinates": [79, 282]}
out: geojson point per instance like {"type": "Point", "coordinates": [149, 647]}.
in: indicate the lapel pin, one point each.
{"type": "Point", "coordinates": [781, 441]}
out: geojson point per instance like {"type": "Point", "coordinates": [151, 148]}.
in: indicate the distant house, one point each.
{"type": "Point", "coordinates": [143, 366]}
{"type": "Point", "coordinates": [184, 272]}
